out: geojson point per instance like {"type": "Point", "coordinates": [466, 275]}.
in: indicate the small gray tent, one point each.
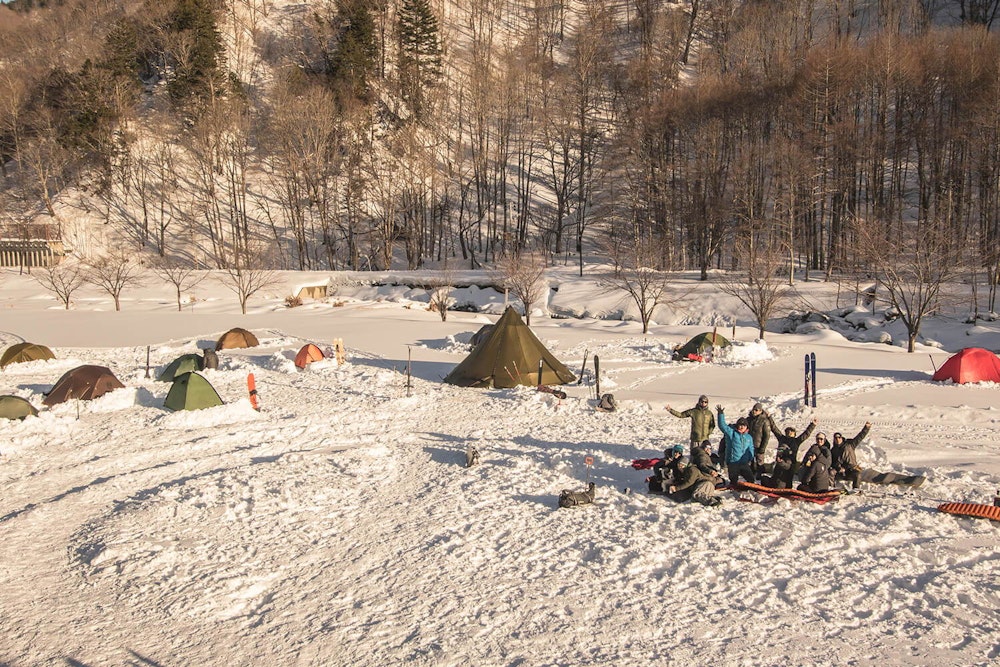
{"type": "Point", "coordinates": [15, 407]}
{"type": "Point", "coordinates": [508, 357]}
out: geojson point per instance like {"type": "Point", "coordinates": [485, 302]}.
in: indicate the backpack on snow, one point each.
{"type": "Point", "coordinates": [471, 456]}
{"type": "Point", "coordinates": [607, 403]}
{"type": "Point", "coordinates": [569, 498]}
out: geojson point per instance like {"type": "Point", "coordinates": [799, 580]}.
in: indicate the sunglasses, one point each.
{"type": "Point", "coordinates": [821, 439]}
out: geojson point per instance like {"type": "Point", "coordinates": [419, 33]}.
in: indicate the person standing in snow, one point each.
{"type": "Point", "coordinates": [739, 448]}
{"type": "Point", "coordinates": [694, 484]}
{"type": "Point", "coordinates": [757, 419]}
{"type": "Point", "coordinates": [845, 459]}
{"type": "Point", "coordinates": [786, 462]}
{"type": "Point", "coordinates": [817, 477]}
{"type": "Point", "coordinates": [702, 420]}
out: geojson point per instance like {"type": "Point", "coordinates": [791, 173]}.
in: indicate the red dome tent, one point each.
{"type": "Point", "coordinates": [973, 364]}
{"type": "Point", "coordinates": [308, 354]}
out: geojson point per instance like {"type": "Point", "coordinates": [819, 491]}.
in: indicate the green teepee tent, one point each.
{"type": "Point", "coordinates": [507, 357]}
{"type": "Point", "coordinates": [185, 363]}
{"type": "Point", "coordinates": [22, 352]}
{"type": "Point", "coordinates": [191, 391]}
{"type": "Point", "coordinates": [701, 344]}
{"type": "Point", "coordinates": [15, 407]}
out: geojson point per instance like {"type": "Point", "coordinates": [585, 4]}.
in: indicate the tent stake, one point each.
{"type": "Point", "coordinates": [409, 365]}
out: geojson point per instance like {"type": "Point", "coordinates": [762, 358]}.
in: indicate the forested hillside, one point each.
{"type": "Point", "coordinates": [831, 135]}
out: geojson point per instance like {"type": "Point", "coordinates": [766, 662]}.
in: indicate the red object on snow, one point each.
{"type": "Point", "coordinates": [973, 364]}
{"type": "Point", "coordinates": [644, 464]}
{"type": "Point", "coordinates": [308, 354]}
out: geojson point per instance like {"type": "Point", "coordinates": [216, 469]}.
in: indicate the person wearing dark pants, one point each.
{"type": "Point", "coordinates": [739, 448]}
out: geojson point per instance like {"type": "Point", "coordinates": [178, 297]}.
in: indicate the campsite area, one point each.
{"type": "Point", "coordinates": [339, 525]}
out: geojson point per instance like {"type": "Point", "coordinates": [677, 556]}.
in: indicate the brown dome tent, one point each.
{"type": "Point", "coordinates": [21, 352]}
{"type": "Point", "coordinates": [973, 364]}
{"type": "Point", "coordinates": [509, 357]}
{"type": "Point", "coordinates": [83, 382]}
{"type": "Point", "coordinates": [308, 354]}
{"type": "Point", "coordinates": [235, 338]}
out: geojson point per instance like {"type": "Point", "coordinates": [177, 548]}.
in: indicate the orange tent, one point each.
{"type": "Point", "coordinates": [308, 354]}
{"type": "Point", "coordinates": [973, 364]}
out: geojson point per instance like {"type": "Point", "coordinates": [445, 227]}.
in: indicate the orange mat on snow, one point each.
{"type": "Point", "coordinates": [972, 509]}
{"type": "Point", "coordinates": [791, 494]}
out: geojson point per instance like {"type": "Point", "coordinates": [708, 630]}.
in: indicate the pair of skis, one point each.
{"type": "Point", "coordinates": [597, 371]}
{"type": "Point", "coordinates": [810, 393]}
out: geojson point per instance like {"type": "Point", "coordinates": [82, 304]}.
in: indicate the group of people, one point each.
{"type": "Point", "coordinates": [743, 453]}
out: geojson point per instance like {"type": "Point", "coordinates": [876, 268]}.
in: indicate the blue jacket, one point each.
{"type": "Point", "coordinates": [739, 446]}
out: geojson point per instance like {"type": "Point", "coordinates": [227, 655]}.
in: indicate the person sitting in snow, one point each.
{"type": "Point", "coordinates": [739, 448]}
{"type": "Point", "coordinates": [817, 477]}
{"type": "Point", "coordinates": [701, 457]}
{"type": "Point", "coordinates": [845, 459]}
{"type": "Point", "coordinates": [786, 462]}
{"type": "Point", "coordinates": [694, 484]}
{"type": "Point", "coordinates": [702, 421]}
{"type": "Point", "coordinates": [665, 471]}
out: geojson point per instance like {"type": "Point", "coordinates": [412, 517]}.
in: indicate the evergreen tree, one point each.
{"type": "Point", "coordinates": [419, 52]}
{"type": "Point", "coordinates": [197, 68]}
{"type": "Point", "coordinates": [353, 60]}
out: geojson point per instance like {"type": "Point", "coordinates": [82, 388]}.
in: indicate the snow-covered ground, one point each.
{"type": "Point", "coordinates": [340, 526]}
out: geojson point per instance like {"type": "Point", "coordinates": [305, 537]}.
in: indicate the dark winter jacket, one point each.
{"type": "Point", "coordinates": [844, 456]}
{"type": "Point", "coordinates": [702, 422]}
{"type": "Point", "coordinates": [818, 476]}
{"type": "Point", "coordinates": [690, 477]}
{"type": "Point", "coordinates": [667, 467]}
{"type": "Point", "coordinates": [702, 460]}
{"type": "Point", "coordinates": [760, 433]}
{"type": "Point", "coordinates": [739, 446]}
{"type": "Point", "coordinates": [786, 463]}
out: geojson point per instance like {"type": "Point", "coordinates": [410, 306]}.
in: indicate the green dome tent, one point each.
{"type": "Point", "coordinates": [509, 356]}
{"type": "Point", "coordinates": [701, 344]}
{"type": "Point", "coordinates": [15, 407]}
{"type": "Point", "coordinates": [191, 391]}
{"type": "Point", "coordinates": [22, 352]}
{"type": "Point", "coordinates": [185, 363]}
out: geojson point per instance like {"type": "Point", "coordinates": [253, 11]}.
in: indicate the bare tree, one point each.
{"type": "Point", "coordinates": [761, 287]}
{"type": "Point", "coordinates": [440, 292]}
{"type": "Point", "coordinates": [246, 281]}
{"type": "Point", "coordinates": [523, 275]}
{"type": "Point", "coordinates": [181, 275]}
{"type": "Point", "coordinates": [63, 280]}
{"type": "Point", "coordinates": [638, 274]}
{"type": "Point", "coordinates": [114, 273]}
{"type": "Point", "coordinates": [913, 266]}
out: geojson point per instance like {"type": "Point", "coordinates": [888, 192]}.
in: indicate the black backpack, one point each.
{"type": "Point", "coordinates": [569, 498]}
{"type": "Point", "coordinates": [607, 403]}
